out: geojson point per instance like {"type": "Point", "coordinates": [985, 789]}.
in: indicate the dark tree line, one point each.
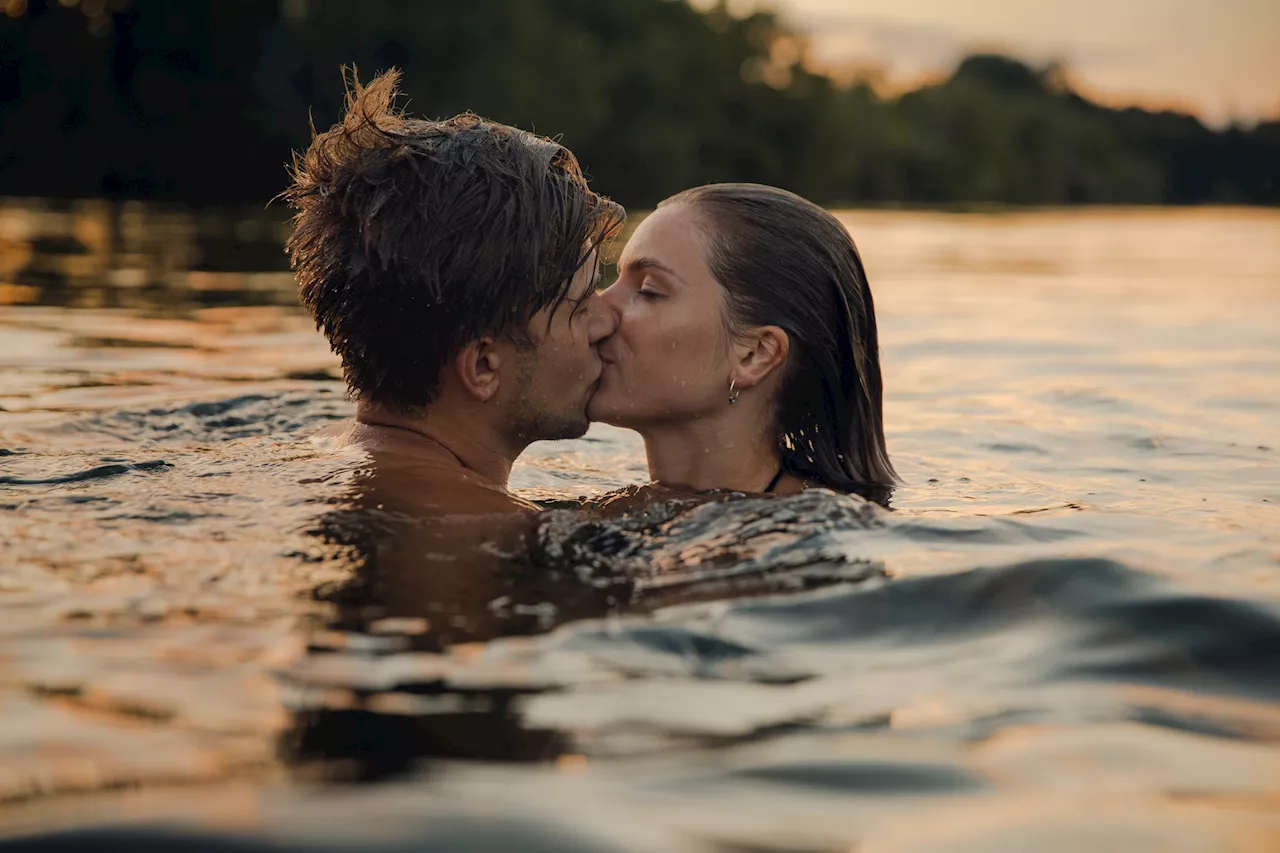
{"type": "Point", "coordinates": [202, 100]}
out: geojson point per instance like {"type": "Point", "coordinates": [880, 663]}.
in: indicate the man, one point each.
{"type": "Point", "coordinates": [452, 266]}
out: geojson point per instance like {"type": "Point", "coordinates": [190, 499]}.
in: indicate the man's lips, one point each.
{"type": "Point", "coordinates": [595, 383]}
{"type": "Point", "coordinates": [605, 363]}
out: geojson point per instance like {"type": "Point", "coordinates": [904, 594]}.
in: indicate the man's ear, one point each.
{"type": "Point", "coordinates": [760, 352]}
{"type": "Point", "coordinates": [477, 365]}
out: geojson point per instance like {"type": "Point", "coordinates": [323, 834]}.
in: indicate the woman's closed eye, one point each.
{"type": "Point", "coordinates": [648, 292]}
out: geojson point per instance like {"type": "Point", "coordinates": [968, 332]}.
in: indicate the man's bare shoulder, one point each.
{"type": "Point", "coordinates": [414, 477]}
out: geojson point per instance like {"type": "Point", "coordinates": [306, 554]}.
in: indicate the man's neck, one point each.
{"type": "Point", "coordinates": [474, 444]}
{"type": "Point", "coordinates": [711, 453]}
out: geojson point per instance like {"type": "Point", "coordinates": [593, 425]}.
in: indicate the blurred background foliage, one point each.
{"type": "Point", "coordinates": [201, 101]}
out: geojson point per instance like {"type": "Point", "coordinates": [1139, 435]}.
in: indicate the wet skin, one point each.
{"type": "Point", "coordinates": [669, 357]}
{"type": "Point", "coordinates": [437, 532]}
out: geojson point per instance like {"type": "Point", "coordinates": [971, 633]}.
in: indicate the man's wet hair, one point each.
{"type": "Point", "coordinates": [784, 261]}
{"type": "Point", "coordinates": [414, 237]}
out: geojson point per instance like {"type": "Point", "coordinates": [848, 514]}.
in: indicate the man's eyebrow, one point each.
{"type": "Point", "coordinates": [649, 263]}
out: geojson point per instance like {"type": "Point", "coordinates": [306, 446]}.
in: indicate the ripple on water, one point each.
{"type": "Point", "coordinates": [96, 473]}
{"type": "Point", "coordinates": [288, 414]}
{"type": "Point", "coordinates": [1033, 643]}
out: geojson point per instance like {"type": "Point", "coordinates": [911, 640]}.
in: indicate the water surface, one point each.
{"type": "Point", "coordinates": [1066, 634]}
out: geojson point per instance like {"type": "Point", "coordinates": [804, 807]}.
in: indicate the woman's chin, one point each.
{"type": "Point", "coordinates": [599, 411]}
{"type": "Point", "coordinates": [603, 408]}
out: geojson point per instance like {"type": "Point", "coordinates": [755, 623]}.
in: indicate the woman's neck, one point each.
{"type": "Point", "coordinates": [711, 453]}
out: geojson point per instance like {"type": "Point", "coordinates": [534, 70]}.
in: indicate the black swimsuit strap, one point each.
{"type": "Point", "coordinates": [773, 484]}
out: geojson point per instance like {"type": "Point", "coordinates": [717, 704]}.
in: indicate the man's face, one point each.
{"type": "Point", "coordinates": [556, 377]}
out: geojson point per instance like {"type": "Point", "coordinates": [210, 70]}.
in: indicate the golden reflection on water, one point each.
{"type": "Point", "coordinates": [95, 253]}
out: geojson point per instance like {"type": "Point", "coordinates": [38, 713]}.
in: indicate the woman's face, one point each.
{"type": "Point", "coordinates": [670, 358]}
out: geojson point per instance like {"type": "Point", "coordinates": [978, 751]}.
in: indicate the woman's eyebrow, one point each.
{"type": "Point", "coordinates": [649, 263]}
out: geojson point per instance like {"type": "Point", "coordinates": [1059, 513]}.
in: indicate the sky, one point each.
{"type": "Point", "coordinates": [1217, 58]}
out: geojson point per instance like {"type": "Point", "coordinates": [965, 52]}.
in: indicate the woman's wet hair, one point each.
{"type": "Point", "coordinates": [783, 261]}
{"type": "Point", "coordinates": [413, 238]}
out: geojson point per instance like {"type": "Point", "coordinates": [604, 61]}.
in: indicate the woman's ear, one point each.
{"type": "Point", "coordinates": [477, 365]}
{"type": "Point", "coordinates": [763, 351]}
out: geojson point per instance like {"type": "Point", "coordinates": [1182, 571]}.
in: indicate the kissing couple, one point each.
{"type": "Point", "coordinates": [453, 266]}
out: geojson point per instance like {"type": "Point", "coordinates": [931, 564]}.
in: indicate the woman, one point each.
{"type": "Point", "coordinates": [746, 352]}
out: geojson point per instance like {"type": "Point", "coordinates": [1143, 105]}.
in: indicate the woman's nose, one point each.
{"type": "Point", "coordinates": [602, 319]}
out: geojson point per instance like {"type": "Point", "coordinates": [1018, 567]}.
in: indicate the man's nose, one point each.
{"type": "Point", "coordinates": [602, 319]}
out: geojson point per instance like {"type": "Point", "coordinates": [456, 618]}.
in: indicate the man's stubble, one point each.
{"type": "Point", "coordinates": [533, 417]}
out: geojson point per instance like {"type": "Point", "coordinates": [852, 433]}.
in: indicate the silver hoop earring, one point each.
{"type": "Point", "coordinates": [733, 391]}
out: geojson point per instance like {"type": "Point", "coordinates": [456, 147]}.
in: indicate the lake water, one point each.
{"type": "Point", "coordinates": [1064, 636]}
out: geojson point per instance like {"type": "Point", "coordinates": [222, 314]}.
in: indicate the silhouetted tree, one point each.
{"type": "Point", "coordinates": [201, 101]}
